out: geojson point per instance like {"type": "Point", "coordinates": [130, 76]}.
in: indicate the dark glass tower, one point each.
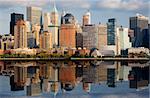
{"type": "Point", "coordinates": [14, 18]}
{"type": "Point", "coordinates": [139, 24]}
{"type": "Point", "coordinates": [111, 31]}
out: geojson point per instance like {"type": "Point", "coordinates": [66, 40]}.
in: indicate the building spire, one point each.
{"type": "Point", "coordinates": [54, 7]}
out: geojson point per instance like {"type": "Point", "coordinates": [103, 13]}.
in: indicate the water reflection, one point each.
{"type": "Point", "coordinates": [37, 78]}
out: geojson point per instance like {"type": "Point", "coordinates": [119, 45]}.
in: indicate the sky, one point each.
{"type": "Point", "coordinates": [101, 10]}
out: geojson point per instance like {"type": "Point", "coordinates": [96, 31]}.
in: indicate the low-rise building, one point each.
{"type": "Point", "coordinates": [24, 51]}
{"type": "Point", "coordinates": [138, 52]}
{"type": "Point", "coordinates": [6, 42]}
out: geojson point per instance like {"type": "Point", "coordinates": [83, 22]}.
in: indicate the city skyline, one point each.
{"type": "Point", "coordinates": [101, 10]}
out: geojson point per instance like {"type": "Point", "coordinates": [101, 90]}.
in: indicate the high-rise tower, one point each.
{"type": "Point", "coordinates": [20, 34]}
{"type": "Point", "coordinates": [139, 24]}
{"type": "Point", "coordinates": [14, 18]}
{"type": "Point", "coordinates": [54, 25]}
{"type": "Point", "coordinates": [34, 15]}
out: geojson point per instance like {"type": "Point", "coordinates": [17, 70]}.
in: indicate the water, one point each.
{"type": "Point", "coordinates": [78, 79]}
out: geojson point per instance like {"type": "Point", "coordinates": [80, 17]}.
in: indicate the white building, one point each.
{"type": "Point", "coordinates": [123, 38]}
{"type": "Point", "coordinates": [54, 15]}
{"type": "Point", "coordinates": [47, 21]}
{"type": "Point", "coordinates": [109, 50]}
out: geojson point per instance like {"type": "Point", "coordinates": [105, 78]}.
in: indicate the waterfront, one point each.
{"type": "Point", "coordinates": [74, 79]}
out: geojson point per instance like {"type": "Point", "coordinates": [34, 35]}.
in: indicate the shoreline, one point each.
{"type": "Point", "coordinates": [74, 59]}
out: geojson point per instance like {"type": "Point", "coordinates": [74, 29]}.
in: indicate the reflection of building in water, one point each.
{"type": "Point", "coordinates": [123, 73]}
{"type": "Point", "coordinates": [139, 77]}
{"type": "Point", "coordinates": [67, 77]}
{"type": "Point", "coordinates": [79, 71]}
{"type": "Point", "coordinates": [54, 87]}
{"type": "Point", "coordinates": [49, 74]}
{"type": "Point", "coordinates": [97, 72]}
{"type": "Point", "coordinates": [87, 87]}
{"type": "Point", "coordinates": [46, 85]}
{"type": "Point", "coordinates": [45, 71]}
{"type": "Point", "coordinates": [34, 89]}
{"type": "Point", "coordinates": [138, 64]}
{"type": "Point", "coordinates": [89, 74]}
{"type": "Point", "coordinates": [53, 73]}
{"type": "Point", "coordinates": [111, 77]}
{"type": "Point", "coordinates": [14, 86]}
{"type": "Point", "coordinates": [18, 81]}
{"type": "Point", "coordinates": [101, 73]}
{"type": "Point", "coordinates": [1, 66]}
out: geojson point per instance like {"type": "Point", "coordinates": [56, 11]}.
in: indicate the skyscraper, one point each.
{"type": "Point", "coordinates": [90, 36]}
{"type": "Point", "coordinates": [67, 35]}
{"type": "Point", "coordinates": [46, 40]}
{"type": "Point", "coordinates": [87, 18]}
{"type": "Point", "coordinates": [46, 21]}
{"type": "Point", "coordinates": [123, 39]}
{"type": "Point", "coordinates": [14, 18]}
{"type": "Point", "coordinates": [139, 24]}
{"type": "Point", "coordinates": [20, 34]}
{"type": "Point", "coordinates": [111, 31]}
{"type": "Point", "coordinates": [36, 34]}
{"type": "Point", "coordinates": [102, 35]}
{"type": "Point", "coordinates": [34, 15]}
{"type": "Point", "coordinates": [54, 25]}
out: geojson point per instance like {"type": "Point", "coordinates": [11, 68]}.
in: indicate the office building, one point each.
{"type": "Point", "coordinates": [111, 31]}
{"type": "Point", "coordinates": [36, 34]}
{"type": "Point", "coordinates": [90, 36]}
{"type": "Point", "coordinates": [102, 35]}
{"type": "Point", "coordinates": [54, 25]}
{"type": "Point", "coordinates": [47, 22]}
{"type": "Point", "coordinates": [14, 18]}
{"type": "Point", "coordinates": [86, 18]}
{"type": "Point", "coordinates": [146, 38]}
{"type": "Point", "coordinates": [67, 35]}
{"type": "Point", "coordinates": [138, 23]}
{"type": "Point", "coordinates": [20, 34]}
{"type": "Point", "coordinates": [31, 40]}
{"type": "Point", "coordinates": [46, 40]}
{"type": "Point", "coordinates": [123, 39]}
{"type": "Point", "coordinates": [34, 15]}
{"type": "Point", "coordinates": [79, 40]}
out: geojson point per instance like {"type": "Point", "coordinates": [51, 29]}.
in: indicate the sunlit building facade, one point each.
{"type": "Point", "coordinates": [20, 34]}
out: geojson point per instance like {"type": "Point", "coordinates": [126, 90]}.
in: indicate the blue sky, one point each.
{"type": "Point", "coordinates": [101, 10]}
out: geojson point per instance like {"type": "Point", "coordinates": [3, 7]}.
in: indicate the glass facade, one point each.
{"type": "Point", "coordinates": [111, 31]}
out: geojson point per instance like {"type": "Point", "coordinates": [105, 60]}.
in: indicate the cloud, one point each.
{"type": "Point", "coordinates": [74, 3]}
{"type": "Point", "coordinates": [130, 5]}
{"type": "Point", "coordinates": [12, 3]}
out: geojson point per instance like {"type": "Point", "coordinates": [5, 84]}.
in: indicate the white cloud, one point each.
{"type": "Point", "coordinates": [123, 4]}
{"type": "Point", "coordinates": [109, 4]}
{"type": "Point", "coordinates": [10, 3]}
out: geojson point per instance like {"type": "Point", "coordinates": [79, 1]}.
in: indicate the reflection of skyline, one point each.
{"type": "Point", "coordinates": [40, 78]}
